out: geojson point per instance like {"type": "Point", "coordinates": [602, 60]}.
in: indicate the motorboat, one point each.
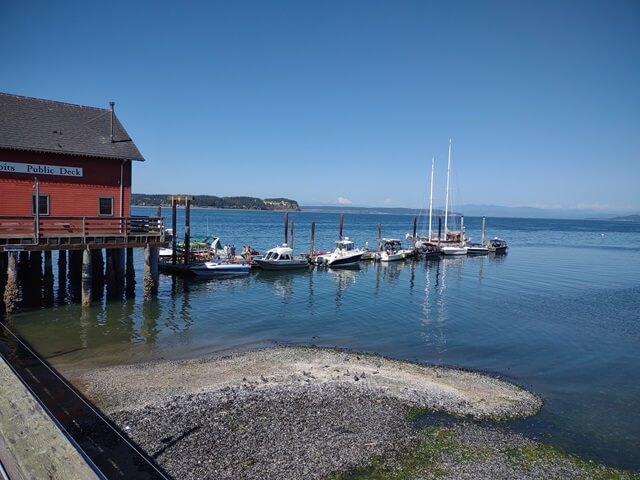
{"type": "Point", "coordinates": [392, 250]}
{"type": "Point", "coordinates": [219, 268]}
{"type": "Point", "coordinates": [426, 248]}
{"type": "Point", "coordinates": [476, 249]}
{"type": "Point", "coordinates": [453, 250]}
{"type": "Point", "coordinates": [281, 258]}
{"type": "Point", "coordinates": [497, 245]}
{"type": "Point", "coordinates": [344, 254]}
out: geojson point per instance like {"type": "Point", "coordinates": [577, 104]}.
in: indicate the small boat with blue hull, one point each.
{"type": "Point", "coordinates": [219, 268]}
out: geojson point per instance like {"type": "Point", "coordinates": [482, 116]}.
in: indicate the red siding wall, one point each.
{"type": "Point", "coordinates": [68, 196]}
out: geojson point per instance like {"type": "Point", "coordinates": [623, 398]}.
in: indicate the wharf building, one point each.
{"type": "Point", "coordinates": [65, 187]}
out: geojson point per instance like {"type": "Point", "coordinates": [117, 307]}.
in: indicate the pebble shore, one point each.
{"type": "Point", "coordinates": [307, 413]}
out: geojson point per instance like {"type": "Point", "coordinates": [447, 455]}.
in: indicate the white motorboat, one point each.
{"type": "Point", "coordinates": [219, 268]}
{"type": "Point", "coordinates": [476, 249]}
{"type": "Point", "coordinates": [345, 253]}
{"type": "Point", "coordinates": [281, 258]}
{"type": "Point", "coordinates": [392, 250]}
{"type": "Point", "coordinates": [453, 250]}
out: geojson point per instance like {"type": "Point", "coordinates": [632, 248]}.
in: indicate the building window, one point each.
{"type": "Point", "coordinates": [105, 206]}
{"type": "Point", "coordinates": [43, 204]}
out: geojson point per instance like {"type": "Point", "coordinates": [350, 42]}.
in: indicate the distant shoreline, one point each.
{"type": "Point", "coordinates": [402, 211]}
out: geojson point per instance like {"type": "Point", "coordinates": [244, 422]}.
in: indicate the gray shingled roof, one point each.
{"type": "Point", "coordinates": [46, 126]}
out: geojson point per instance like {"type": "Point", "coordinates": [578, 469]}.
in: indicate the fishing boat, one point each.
{"type": "Point", "coordinates": [281, 258]}
{"type": "Point", "coordinates": [497, 245]}
{"type": "Point", "coordinates": [392, 250]}
{"type": "Point", "coordinates": [344, 254]}
{"type": "Point", "coordinates": [219, 268]}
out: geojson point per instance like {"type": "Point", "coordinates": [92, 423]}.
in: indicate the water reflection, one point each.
{"type": "Point", "coordinates": [344, 277]}
{"type": "Point", "coordinates": [281, 282]}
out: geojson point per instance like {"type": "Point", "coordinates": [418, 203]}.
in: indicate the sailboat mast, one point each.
{"type": "Point", "coordinates": [446, 202]}
{"type": "Point", "coordinates": [431, 197]}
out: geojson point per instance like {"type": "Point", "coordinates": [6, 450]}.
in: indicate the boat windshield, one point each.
{"type": "Point", "coordinates": [344, 244]}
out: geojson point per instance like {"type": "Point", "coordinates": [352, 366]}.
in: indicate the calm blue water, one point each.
{"type": "Point", "coordinates": [560, 314]}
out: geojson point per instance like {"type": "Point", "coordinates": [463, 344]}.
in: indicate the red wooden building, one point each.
{"type": "Point", "coordinates": [78, 157]}
{"type": "Point", "coordinates": [65, 170]}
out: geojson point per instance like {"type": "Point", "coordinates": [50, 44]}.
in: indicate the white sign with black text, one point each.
{"type": "Point", "coordinates": [35, 169]}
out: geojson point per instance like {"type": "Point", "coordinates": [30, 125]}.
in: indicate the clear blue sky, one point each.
{"type": "Point", "coordinates": [347, 101]}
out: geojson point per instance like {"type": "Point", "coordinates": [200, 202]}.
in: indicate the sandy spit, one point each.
{"type": "Point", "coordinates": [444, 389]}
{"type": "Point", "coordinates": [288, 412]}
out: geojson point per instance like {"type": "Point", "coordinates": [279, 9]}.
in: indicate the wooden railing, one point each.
{"type": "Point", "coordinates": [85, 228]}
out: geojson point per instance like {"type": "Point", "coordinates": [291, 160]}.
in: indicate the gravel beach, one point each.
{"type": "Point", "coordinates": [310, 413]}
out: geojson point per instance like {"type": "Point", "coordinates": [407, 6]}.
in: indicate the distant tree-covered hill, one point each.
{"type": "Point", "coordinates": [237, 203]}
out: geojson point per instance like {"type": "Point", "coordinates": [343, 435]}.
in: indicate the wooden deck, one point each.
{"type": "Point", "coordinates": [76, 233]}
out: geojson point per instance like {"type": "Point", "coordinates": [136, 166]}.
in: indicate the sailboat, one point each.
{"type": "Point", "coordinates": [454, 241]}
{"type": "Point", "coordinates": [425, 246]}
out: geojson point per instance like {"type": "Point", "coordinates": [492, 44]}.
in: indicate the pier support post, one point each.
{"type": "Point", "coordinates": [187, 232]}
{"type": "Point", "coordinates": [130, 275]}
{"type": "Point", "coordinates": [3, 279]}
{"type": "Point", "coordinates": [174, 232]}
{"type": "Point", "coordinates": [75, 275]}
{"type": "Point", "coordinates": [47, 280]}
{"type": "Point", "coordinates": [97, 273]}
{"type": "Point", "coordinates": [115, 273]}
{"type": "Point", "coordinates": [11, 295]}
{"type": "Point", "coordinates": [23, 277]}
{"type": "Point", "coordinates": [120, 270]}
{"type": "Point", "coordinates": [34, 280]}
{"type": "Point", "coordinates": [86, 278]}
{"type": "Point", "coordinates": [151, 275]}
{"type": "Point", "coordinates": [62, 276]}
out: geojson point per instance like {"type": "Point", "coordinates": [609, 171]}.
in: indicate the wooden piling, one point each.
{"type": "Point", "coordinates": [483, 224]}
{"type": "Point", "coordinates": [286, 226]}
{"type": "Point", "coordinates": [379, 237]}
{"type": "Point", "coordinates": [47, 280]}
{"type": "Point", "coordinates": [3, 279]}
{"type": "Point", "coordinates": [187, 232]}
{"type": "Point", "coordinates": [62, 276]}
{"type": "Point", "coordinates": [313, 240]}
{"type": "Point", "coordinates": [11, 295]}
{"type": "Point", "coordinates": [86, 278]}
{"type": "Point", "coordinates": [341, 225]}
{"type": "Point", "coordinates": [130, 275]}
{"type": "Point", "coordinates": [33, 284]}
{"type": "Point", "coordinates": [174, 223]}
{"type": "Point", "coordinates": [415, 227]}
{"type": "Point", "coordinates": [291, 246]}
{"type": "Point", "coordinates": [110, 273]}
{"type": "Point", "coordinates": [97, 274]}
{"type": "Point", "coordinates": [151, 275]}
{"type": "Point", "coordinates": [75, 275]}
